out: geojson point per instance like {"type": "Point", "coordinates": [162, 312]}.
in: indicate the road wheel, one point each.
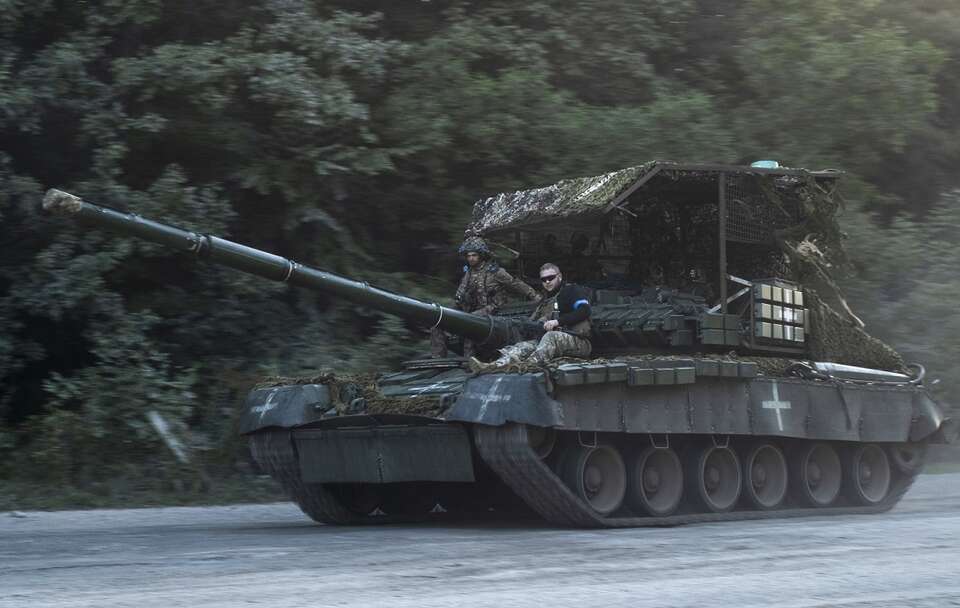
{"type": "Point", "coordinates": [597, 475]}
{"type": "Point", "coordinates": [907, 457]}
{"type": "Point", "coordinates": [816, 474]}
{"type": "Point", "coordinates": [713, 476]}
{"type": "Point", "coordinates": [867, 474]}
{"type": "Point", "coordinates": [542, 440]}
{"type": "Point", "coordinates": [765, 476]}
{"type": "Point", "coordinates": [655, 481]}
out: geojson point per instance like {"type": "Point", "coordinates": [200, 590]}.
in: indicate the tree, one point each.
{"type": "Point", "coordinates": [904, 283]}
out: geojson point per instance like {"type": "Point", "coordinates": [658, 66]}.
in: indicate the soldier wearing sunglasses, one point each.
{"type": "Point", "coordinates": [564, 310]}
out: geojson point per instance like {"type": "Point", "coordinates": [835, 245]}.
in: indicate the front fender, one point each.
{"type": "Point", "coordinates": [496, 399]}
{"type": "Point", "coordinates": [284, 406]}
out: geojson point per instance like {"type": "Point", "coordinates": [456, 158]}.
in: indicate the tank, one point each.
{"type": "Point", "coordinates": [729, 379]}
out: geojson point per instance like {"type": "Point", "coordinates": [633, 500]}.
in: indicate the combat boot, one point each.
{"type": "Point", "coordinates": [477, 366]}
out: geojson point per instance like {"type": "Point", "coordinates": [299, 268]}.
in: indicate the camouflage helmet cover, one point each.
{"type": "Point", "coordinates": [474, 243]}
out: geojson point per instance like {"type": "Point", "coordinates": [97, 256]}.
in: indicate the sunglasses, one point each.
{"type": "Point", "coordinates": [548, 278]}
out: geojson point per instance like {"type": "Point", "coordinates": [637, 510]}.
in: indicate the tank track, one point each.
{"type": "Point", "coordinates": [507, 451]}
{"type": "Point", "coordinates": [274, 451]}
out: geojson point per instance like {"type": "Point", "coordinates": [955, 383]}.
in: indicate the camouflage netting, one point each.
{"type": "Point", "coordinates": [835, 338]}
{"type": "Point", "coordinates": [419, 406]}
{"type": "Point", "coordinates": [815, 253]}
{"type": "Point", "coordinates": [779, 224]}
{"type": "Point", "coordinates": [565, 198]}
{"type": "Point", "coordinates": [336, 383]}
{"type": "Point", "coordinates": [344, 388]}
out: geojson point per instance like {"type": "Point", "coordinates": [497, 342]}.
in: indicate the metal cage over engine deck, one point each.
{"type": "Point", "coordinates": [712, 231]}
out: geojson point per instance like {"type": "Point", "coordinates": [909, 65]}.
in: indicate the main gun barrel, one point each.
{"type": "Point", "coordinates": [482, 329]}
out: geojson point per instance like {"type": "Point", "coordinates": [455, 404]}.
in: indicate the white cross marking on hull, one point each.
{"type": "Point", "coordinates": [777, 405]}
{"type": "Point", "coordinates": [431, 387]}
{"type": "Point", "coordinates": [266, 407]}
{"type": "Point", "coordinates": [492, 396]}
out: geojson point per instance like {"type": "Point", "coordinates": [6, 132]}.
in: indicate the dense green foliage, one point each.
{"type": "Point", "coordinates": [356, 135]}
{"type": "Point", "coordinates": [906, 286]}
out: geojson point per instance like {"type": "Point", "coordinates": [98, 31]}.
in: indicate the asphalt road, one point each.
{"type": "Point", "coordinates": [272, 555]}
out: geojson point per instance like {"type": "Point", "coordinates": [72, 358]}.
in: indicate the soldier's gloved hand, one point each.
{"type": "Point", "coordinates": [551, 325]}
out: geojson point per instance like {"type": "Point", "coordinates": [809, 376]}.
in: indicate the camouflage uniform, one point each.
{"type": "Point", "coordinates": [483, 290]}
{"type": "Point", "coordinates": [573, 341]}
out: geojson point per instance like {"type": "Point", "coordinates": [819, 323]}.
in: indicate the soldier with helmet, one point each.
{"type": "Point", "coordinates": [483, 289]}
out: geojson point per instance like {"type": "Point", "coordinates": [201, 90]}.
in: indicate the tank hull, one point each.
{"type": "Point", "coordinates": [582, 446]}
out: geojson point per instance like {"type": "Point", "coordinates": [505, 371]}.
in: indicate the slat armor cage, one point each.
{"type": "Point", "coordinates": [689, 227]}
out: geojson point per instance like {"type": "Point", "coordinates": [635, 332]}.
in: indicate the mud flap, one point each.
{"type": "Point", "coordinates": [384, 454]}
{"type": "Point", "coordinates": [948, 432]}
{"type": "Point", "coordinates": [928, 419]}
{"type": "Point", "coordinates": [495, 399]}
